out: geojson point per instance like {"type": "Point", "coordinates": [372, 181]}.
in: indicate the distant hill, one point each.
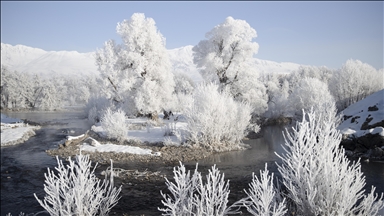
{"type": "Point", "coordinates": [71, 63]}
{"type": "Point", "coordinates": [27, 59]}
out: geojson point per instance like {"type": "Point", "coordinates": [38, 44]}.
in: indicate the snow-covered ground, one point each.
{"type": "Point", "coordinates": [141, 132]}
{"type": "Point", "coordinates": [14, 131]}
{"type": "Point", "coordinates": [370, 109]}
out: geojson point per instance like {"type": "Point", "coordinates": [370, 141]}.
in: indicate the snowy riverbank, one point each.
{"type": "Point", "coordinates": [363, 127]}
{"type": "Point", "coordinates": [15, 131]}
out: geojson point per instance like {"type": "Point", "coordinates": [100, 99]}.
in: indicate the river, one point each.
{"type": "Point", "coordinates": [23, 165]}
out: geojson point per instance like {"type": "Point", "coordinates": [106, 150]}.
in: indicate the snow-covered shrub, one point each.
{"type": "Point", "coordinates": [213, 195]}
{"type": "Point", "coordinates": [115, 124]}
{"type": "Point", "coordinates": [263, 198]}
{"type": "Point", "coordinates": [95, 107]}
{"type": "Point", "coordinates": [75, 190]}
{"type": "Point", "coordinates": [319, 178]}
{"type": "Point", "coordinates": [215, 120]}
{"type": "Point", "coordinates": [190, 196]}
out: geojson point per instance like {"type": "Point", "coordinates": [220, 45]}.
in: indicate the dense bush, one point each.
{"type": "Point", "coordinates": [95, 107]}
{"type": "Point", "coordinates": [215, 120]}
{"type": "Point", "coordinates": [115, 124]}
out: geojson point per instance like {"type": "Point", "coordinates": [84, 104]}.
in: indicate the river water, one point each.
{"type": "Point", "coordinates": [23, 165]}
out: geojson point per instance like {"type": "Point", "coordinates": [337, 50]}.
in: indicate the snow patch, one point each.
{"type": "Point", "coordinates": [370, 109]}
{"type": "Point", "coordinates": [97, 147]}
{"type": "Point", "coordinates": [75, 137]}
{"type": "Point", "coordinates": [14, 133]}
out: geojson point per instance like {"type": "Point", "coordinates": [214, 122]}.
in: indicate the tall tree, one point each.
{"type": "Point", "coordinates": [225, 57]}
{"type": "Point", "coordinates": [137, 74]}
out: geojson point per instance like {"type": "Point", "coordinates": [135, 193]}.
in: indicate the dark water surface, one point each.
{"type": "Point", "coordinates": [23, 165]}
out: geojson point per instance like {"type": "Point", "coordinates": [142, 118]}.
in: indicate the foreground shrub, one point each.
{"type": "Point", "coordinates": [115, 124]}
{"type": "Point", "coordinates": [262, 197]}
{"type": "Point", "coordinates": [320, 180]}
{"type": "Point", "coordinates": [190, 196]}
{"type": "Point", "coordinates": [215, 120]}
{"type": "Point", "coordinates": [75, 190]}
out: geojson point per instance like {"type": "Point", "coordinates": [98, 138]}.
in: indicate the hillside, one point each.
{"type": "Point", "coordinates": [363, 128]}
{"type": "Point", "coordinates": [71, 63]}
{"type": "Point", "coordinates": [27, 59]}
{"type": "Point", "coordinates": [365, 116]}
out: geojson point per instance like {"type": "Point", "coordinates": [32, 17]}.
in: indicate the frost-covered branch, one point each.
{"type": "Point", "coordinates": [75, 190]}
{"type": "Point", "coordinates": [319, 178]}
{"type": "Point", "coordinates": [263, 199]}
{"type": "Point", "coordinates": [190, 196]}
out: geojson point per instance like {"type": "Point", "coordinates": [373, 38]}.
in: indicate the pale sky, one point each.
{"type": "Point", "coordinates": [310, 33]}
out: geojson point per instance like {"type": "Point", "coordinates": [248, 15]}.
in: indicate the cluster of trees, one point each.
{"type": "Point", "coordinates": [315, 87]}
{"type": "Point", "coordinates": [31, 91]}
{"type": "Point", "coordinates": [136, 74]}
{"type": "Point", "coordinates": [136, 78]}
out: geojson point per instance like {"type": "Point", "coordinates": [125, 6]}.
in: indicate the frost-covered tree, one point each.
{"type": "Point", "coordinates": [184, 87]}
{"type": "Point", "coordinates": [75, 189]}
{"type": "Point", "coordinates": [225, 57]}
{"type": "Point", "coordinates": [278, 92]}
{"type": "Point", "coordinates": [7, 87]}
{"type": "Point", "coordinates": [354, 81]}
{"type": "Point", "coordinates": [51, 95]}
{"type": "Point", "coordinates": [319, 178]}
{"type": "Point", "coordinates": [310, 93]}
{"type": "Point", "coordinates": [323, 74]}
{"type": "Point", "coordinates": [215, 120]}
{"type": "Point", "coordinates": [137, 73]}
